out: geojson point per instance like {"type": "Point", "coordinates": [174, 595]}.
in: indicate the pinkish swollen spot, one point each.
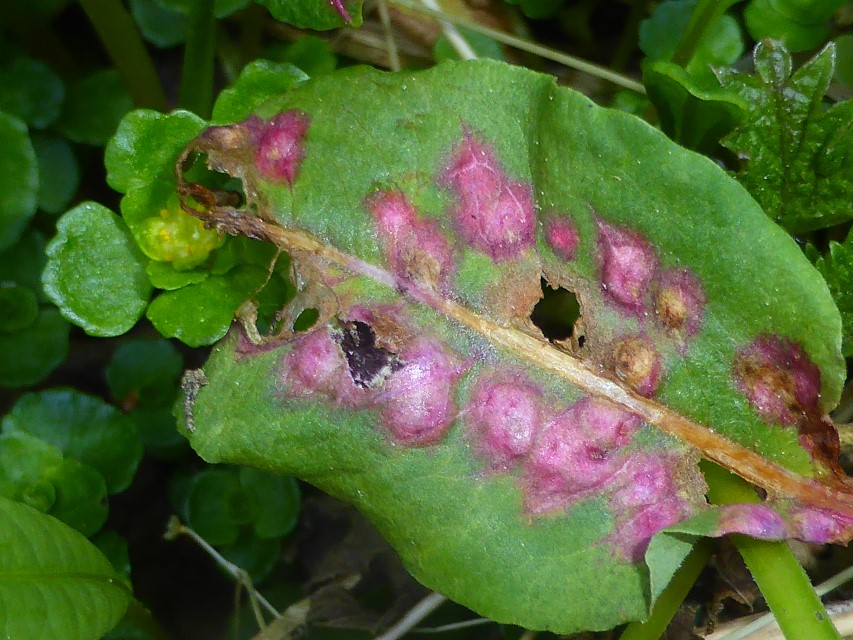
{"type": "Point", "coordinates": [338, 5]}
{"type": "Point", "coordinates": [503, 416]}
{"type": "Point", "coordinates": [633, 534]}
{"type": "Point", "coordinates": [628, 263]}
{"type": "Point", "coordinates": [417, 400]}
{"type": "Point", "coordinates": [493, 213]}
{"type": "Point", "coordinates": [679, 302]}
{"type": "Point", "coordinates": [579, 451]}
{"type": "Point", "coordinates": [316, 364]}
{"type": "Point", "coordinates": [281, 146]}
{"type": "Point", "coordinates": [754, 520]}
{"type": "Point", "coordinates": [637, 363]}
{"type": "Point", "coordinates": [562, 236]}
{"type": "Point", "coordinates": [646, 480]}
{"type": "Point", "coordinates": [416, 248]}
{"type": "Point", "coordinates": [778, 379]}
{"type": "Point", "coordinates": [820, 526]}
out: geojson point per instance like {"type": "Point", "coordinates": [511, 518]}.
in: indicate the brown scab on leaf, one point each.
{"type": "Point", "coordinates": [369, 365]}
{"type": "Point", "coordinates": [637, 363]}
{"type": "Point", "coordinates": [679, 302]}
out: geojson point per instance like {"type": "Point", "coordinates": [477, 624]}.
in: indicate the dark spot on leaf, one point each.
{"type": "Point", "coordinates": [555, 314]}
{"type": "Point", "coordinates": [369, 365]}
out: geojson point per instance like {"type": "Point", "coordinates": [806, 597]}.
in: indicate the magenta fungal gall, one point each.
{"type": "Point", "coordinates": [562, 237]}
{"type": "Point", "coordinates": [493, 213]}
{"type": "Point", "coordinates": [281, 146]}
{"type": "Point", "coordinates": [417, 401]}
{"type": "Point", "coordinates": [679, 302]}
{"type": "Point", "coordinates": [633, 533]}
{"type": "Point", "coordinates": [778, 378]}
{"type": "Point", "coordinates": [580, 450]}
{"type": "Point", "coordinates": [416, 248]}
{"type": "Point", "coordinates": [503, 416]}
{"type": "Point", "coordinates": [628, 263]}
{"type": "Point", "coordinates": [820, 526]}
{"type": "Point", "coordinates": [754, 520]}
{"type": "Point", "coordinates": [637, 363]}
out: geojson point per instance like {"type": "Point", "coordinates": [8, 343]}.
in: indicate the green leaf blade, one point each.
{"type": "Point", "coordinates": [53, 582]}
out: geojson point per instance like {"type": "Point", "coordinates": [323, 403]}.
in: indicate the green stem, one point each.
{"type": "Point", "coordinates": [783, 583]}
{"type": "Point", "coordinates": [672, 596]}
{"type": "Point", "coordinates": [531, 47]}
{"type": "Point", "coordinates": [706, 13]}
{"type": "Point", "coordinates": [197, 75]}
{"type": "Point", "coordinates": [119, 35]}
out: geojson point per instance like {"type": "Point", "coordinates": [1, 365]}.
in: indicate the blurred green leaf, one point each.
{"type": "Point", "coordinates": [316, 14]}
{"type": "Point", "coordinates": [278, 502]}
{"type": "Point", "coordinates": [59, 172]}
{"type": "Point", "coordinates": [19, 307]}
{"type": "Point", "coordinates": [161, 26]}
{"type": "Point", "coordinates": [217, 507]}
{"type": "Point", "coordinates": [35, 473]}
{"type": "Point", "coordinates": [255, 555]}
{"type": "Point", "coordinates": [797, 156]}
{"type": "Point", "coordinates": [24, 261]}
{"type": "Point", "coordinates": [114, 548]}
{"type": "Point", "coordinates": [482, 45]}
{"type": "Point", "coordinates": [311, 54]}
{"type": "Point", "coordinates": [143, 376]}
{"type": "Point", "coordinates": [19, 180]}
{"type": "Point", "coordinates": [836, 267]}
{"type": "Point", "coordinates": [659, 35]}
{"type": "Point", "coordinates": [31, 91]}
{"type": "Point", "coordinates": [259, 81]}
{"type": "Point", "coordinates": [82, 427]}
{"type": "Point", "coordinates": [53, 582]}
{"type": "Point", "coordinates": [31, 354]}
{"type": "Point", "coordinates": [844, 59]}
{"type": "Point", "coordinates": [95, 273]}
{"type": "Point", "coordinates": [799, 24]}
{"type": "Point", "coordinates": [221, 8]}
{"type": "Point", "coordinates": [94, 107]}
{"type": "Point", "coordinates": [694, 117]}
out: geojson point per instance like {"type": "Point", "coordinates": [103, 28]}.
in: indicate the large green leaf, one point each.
{"type": "Point", "coordinates": [520, 477]}
{"type": "Point", "coordinates": [53, 582]}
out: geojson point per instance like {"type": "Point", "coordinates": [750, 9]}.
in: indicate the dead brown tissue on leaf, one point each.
{"type": "Point", "coordinates": [410, 380]}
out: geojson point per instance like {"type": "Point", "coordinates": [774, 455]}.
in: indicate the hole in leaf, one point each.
{"type": "Point", "coordinates": [306, 320]}
{"type": "Point", "coordinates": [369, 365]}
{"type": "Point", "coordinates": [227, 189]}
{"type": "Point", "coordinates": [555, 314]}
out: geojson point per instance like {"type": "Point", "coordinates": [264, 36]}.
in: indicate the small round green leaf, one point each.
{"type": "Point", "coordinates": [114, 547]}
{"type": "Point", "coordinates": [200, 314]}
{"type": "Point", "coordinates": [160, 25]}
{"type": "Point", "coordinates": [24, 261]}
{"type": "Point", "coordinates": [59, 172]}
{"type": "Point", "coordinates": [259, 81]}
{"type": "Point", "coordinates": [95, 273]}
{"type": "Point", "coordinates": [18, 307]}
{"type": "Point", "coordinates": [278, 501]}
{"type": "Point", "coordinates": [31, 354]}
{"type": "Point", "coordinates": [164, 276]}
{"type": "Point", "coordinates": [255, 555]}
{"type": "Point", "coordinates": [19, 180]}
{"type": "Point", "coordinates": [94, 107]}
{"type": "Point", "coordinates": [217, 506]}
{"type": "Point", "coordinates": [31, 91]}
{"type": "Point", "coordinates": [312, 54]}
{"type": "Point", "coordinates": [799, 24]}
{"type": "Point", "coordinates": [81, 496]}
{"type": "Point", "coordinates": [53, 582]}
{"type": "Point", "coordinates": [82, 427]}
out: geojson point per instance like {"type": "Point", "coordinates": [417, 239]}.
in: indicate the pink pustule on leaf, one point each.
{"type": "Point", "coordinates": [562, 237]}
{"type": "Point", "coordinates": [820, 526]}
{"type": "Point", "coordinates": [579, 451]}
{"type": "Point", "coordinates": [493, 213]}
{"type": "Point", "coordinates": [633, 534]}
{"type": "Point", "coordinates": [637, 363]}
{"type": "Point", "coordinates": [628, 263]}
{"type": "Point", "coordinates": [416, 248]}
{"type": "Point", "coordinates": [778, 378]}
{"type": "Point", "coordinates": [679, 302]}
{"type": "Point", "coordinates": [281, 147]}
{"type": "Point", "coordinates": [503, 416]}
{"type": "Point", "coordinates": [417, 401]}
{"type": "Point", "coordinates": [316, 365]}
{"type": "Point", "coordinates": [754, 520]}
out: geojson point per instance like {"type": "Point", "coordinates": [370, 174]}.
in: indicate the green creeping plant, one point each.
{"type": "Point", "coordinates": [549, 485]}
